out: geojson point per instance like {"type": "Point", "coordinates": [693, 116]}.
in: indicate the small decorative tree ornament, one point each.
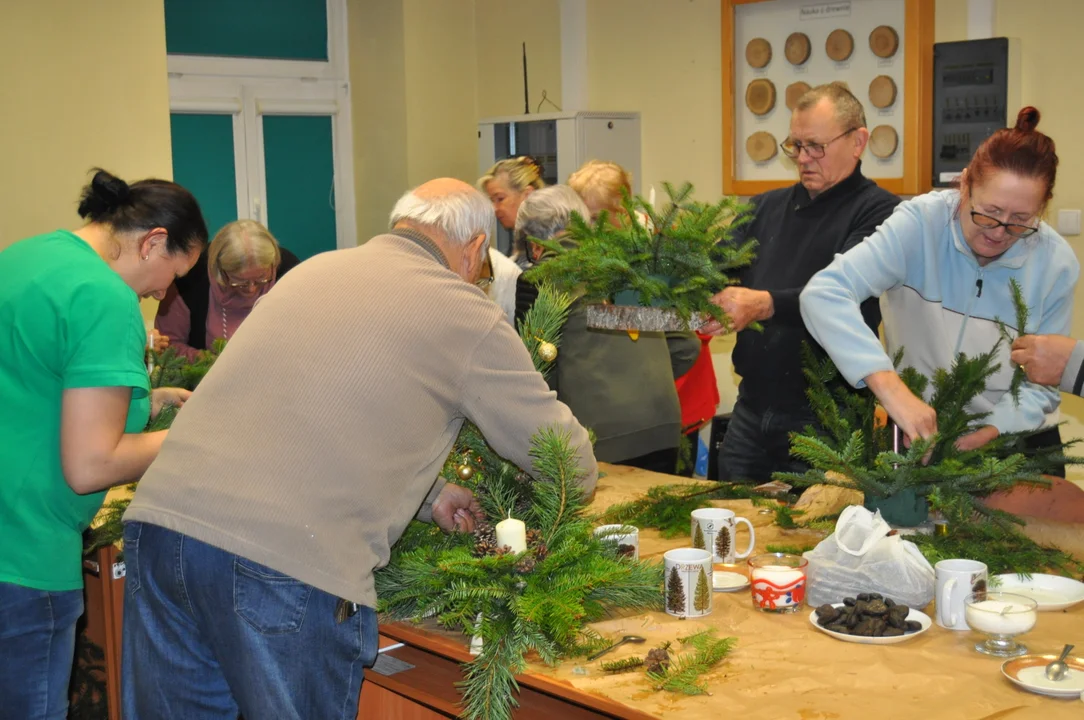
{"type": "Point", "coordinates": [464, 472]}
{"type": "Point", "coordinates": [548, 351]}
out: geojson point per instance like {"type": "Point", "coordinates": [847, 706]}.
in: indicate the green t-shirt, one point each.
{"type": "Point", "coordinates": [66, 321]}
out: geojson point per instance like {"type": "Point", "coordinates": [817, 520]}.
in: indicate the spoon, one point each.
{"type": "Point", "coordinates": [622, 641]}
{"type": "Point", "coordinates": [1056, 670]}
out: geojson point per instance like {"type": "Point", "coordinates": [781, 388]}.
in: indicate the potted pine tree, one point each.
{"type": "Point", "coordinates": [655, 269]}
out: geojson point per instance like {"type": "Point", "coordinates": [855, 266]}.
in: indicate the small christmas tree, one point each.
{"type": "Point", "coordinates": [675, 262]}
{"type": "Point", "coordinates": [698, 538]}
{"type": "Point", "coordinates": [722, 542]}
{"type": "Point", "coordinates": [675, 593]}
{"type": "Point", "coordinates": [702, 595]}
{"type": "Point", "coordinates": [852, 451]}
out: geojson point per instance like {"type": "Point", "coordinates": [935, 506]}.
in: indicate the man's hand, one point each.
{"type": "Point", "coordinates": [456, 509]}
{"type": "Point", "coordinates": [742, 306]}
{"type": "Point", "coordinates": [1043, 357]}
{"type": "Point", "coordinates": [977, 439]}
{"type": "Point", "coordinates": [160, 397]}
{"type": "Point", "coordinates": [915, 418]}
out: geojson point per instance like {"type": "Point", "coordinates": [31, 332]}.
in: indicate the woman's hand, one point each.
{"type": "Point", "coordinates": [977, 439]}
{"type": "Point", "coordinates": [159, 341]}
{"type": "Point", "coordinates": [915, 418]}
{"type": "Point", "coordinates": [160, 397]}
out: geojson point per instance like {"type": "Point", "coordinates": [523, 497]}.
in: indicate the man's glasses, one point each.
{"type": "Point", "coordinates": [793, 148]}
{"type": "Point", "coordinates": [1014, 229]}
{"type": "Point", "coordinates": [486, 279]}
{"type": "Point", "coordinates": [248, 284]}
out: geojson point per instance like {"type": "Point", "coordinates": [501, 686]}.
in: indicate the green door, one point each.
{"type": "Point", "coordinates": [203, 162]}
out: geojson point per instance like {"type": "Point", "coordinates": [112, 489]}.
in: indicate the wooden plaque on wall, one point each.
{"type": "Point", "coordinates": [905, 172]}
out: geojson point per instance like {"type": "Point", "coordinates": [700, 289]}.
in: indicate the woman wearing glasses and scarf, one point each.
{"type": "Point", "coordinates": [942, 264]}
{"type": "Point", "coordinates": [240, 266]}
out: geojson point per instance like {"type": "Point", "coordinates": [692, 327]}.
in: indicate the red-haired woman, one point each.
{"type": "Point", "coordinates": [942, 264]}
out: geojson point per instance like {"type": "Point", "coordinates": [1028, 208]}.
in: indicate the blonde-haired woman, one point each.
{"type": "Point", "coordinates": [602, 184]}
{"type": "Point", "coordinates": [241, 265]}
{"type": "Point", "coordinates": [507, 184]}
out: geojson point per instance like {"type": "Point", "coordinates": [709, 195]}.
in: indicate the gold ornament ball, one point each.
{"type": "Point", "coordinates": [465, 472]}
{"type": "Point", "coordinates": [548, 351]}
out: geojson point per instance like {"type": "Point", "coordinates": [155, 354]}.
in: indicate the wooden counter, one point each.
{"type": "Point", "coordinates": [782, 666]}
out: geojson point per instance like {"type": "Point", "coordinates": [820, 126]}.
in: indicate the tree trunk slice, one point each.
{"type": "Point", "coordinates": [839, 45]}
{"type": "Point", "coordinates": [884, 41]}
{"type": "Point", "coordinates": [882, 91]}
{"type": "Point", "coordinates": [758, 53]}
{"type": "Point", "coordinates": [760, 96]}
{"type": "Point", "coordinates": [797, 48]}
{"type": "Point", "coordinates": [761, 146]}
{"type": "Point", "coordinates": [794, 93]}
{"type": "Point", "coordinates": [883, 141]}
{"type": "Point", "coordinates": [639, 319]}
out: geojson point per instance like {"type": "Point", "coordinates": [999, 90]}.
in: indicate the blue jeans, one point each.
{"type": "Point", "coordinates": [757, 443]}
{"type": "Point", "coordinates": [208, 634]}
{"type": "Point", "coordinates": [37, 647]}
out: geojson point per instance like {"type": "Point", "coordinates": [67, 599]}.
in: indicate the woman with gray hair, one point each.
{"type": "Point", "coordinates": [621, 388]}
{"type": "Point", "coordinates": [241, 265]}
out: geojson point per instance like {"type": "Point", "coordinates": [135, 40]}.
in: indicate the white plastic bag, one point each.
{"type": "Point", "coordinates": [860, 557]}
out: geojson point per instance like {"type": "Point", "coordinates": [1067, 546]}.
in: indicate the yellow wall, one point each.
{"type": "Point", "coordinates": [501, 28]}
{"type": "Point", "coordinates": [413, 77]}
{"type": "Point", "coordinates": [662, 59]}
{"type": "Point", "coordinates": [83, 84]}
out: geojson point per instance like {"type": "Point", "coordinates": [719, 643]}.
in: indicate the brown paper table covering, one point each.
{"type": "Point", "coordinates": [782, 667]}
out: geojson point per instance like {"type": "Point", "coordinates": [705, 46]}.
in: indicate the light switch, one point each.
{"type": "Point", "coordinates": [1069, 222]}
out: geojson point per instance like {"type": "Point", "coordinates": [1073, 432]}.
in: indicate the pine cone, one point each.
{"type": "Point", "coordinates": [534, 537]}
{"type": "Point", "coordinates": [482, 548]}
{"type": "Point", "coordinates": [502, 550]}
{"type": "Point", "coordinates": [526, 565]}
{"type": "Point", "coordinates": [657, 661]}
{"type": "Point", "coordinates": [541, 551]}
{"type": "Point", "coordinates": [485, 532]}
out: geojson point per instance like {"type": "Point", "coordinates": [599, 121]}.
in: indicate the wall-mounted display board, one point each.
{"type": "Point", "coordinates": [881, 49]}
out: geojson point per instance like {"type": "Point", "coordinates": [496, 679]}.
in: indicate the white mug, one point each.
{"type": "Point", "coordinates": [625, 537]}
{"type": "Point", "coordinates": [715, 529]}
{"type": "Point", "coordinates": [956, 579]}
{"type": "Point", "coordinates": [687, 588]}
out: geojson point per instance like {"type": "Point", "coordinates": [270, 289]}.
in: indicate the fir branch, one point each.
{"type": "Point", "coordinates": [1020, 308]}
{"type": "Point", "coordinates": [621, 666]}
{"type": "Point", "coordinates": [666, 508]}
{"type": "Point", "coordinates": [542, 323]}
{"type": "Point", "coordinates": [1003, 550]}
{"type": "Point", "coordinates": [684, 674]}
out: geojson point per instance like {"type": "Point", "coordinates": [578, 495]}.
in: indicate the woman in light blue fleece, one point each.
{"type": "Point", "coordinates": [941, 264]}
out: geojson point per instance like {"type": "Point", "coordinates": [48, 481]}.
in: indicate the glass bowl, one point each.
{"type": "Point", "coordinates": [1001, 617]}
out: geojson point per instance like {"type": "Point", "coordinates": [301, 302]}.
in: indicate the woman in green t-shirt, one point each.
{"type": "Point", "coordinates": [75, 399]}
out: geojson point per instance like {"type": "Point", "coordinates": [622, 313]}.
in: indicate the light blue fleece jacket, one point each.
{"type": "Point", "coordinates": [936, 301]}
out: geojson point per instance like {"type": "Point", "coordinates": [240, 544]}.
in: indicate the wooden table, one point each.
{"type": "Point", "coordinates": [782, 666]}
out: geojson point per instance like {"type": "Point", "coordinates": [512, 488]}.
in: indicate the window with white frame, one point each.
{"type": "Point", "coordinates": [266, 138]}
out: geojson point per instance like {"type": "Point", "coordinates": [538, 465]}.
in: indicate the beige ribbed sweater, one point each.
{"type": "Point", "coordinates": [321, 429]}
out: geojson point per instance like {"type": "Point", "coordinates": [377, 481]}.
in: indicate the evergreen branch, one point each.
{"type": "Point", "coordinates": [684, 674]}
{"type": "Point", "coordinates": [543, 322]}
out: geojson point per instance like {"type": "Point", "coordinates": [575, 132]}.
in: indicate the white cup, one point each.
{"type": "Point", "coordinates": [626, 537]}
{"type": "Point", "coordinates": [956, 579]}
{"type": "Point", "coordinates": [687, 589]}
{"type": "Point", "coordinates": [715, 529]}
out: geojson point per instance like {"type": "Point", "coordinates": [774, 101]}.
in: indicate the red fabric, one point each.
{"type": "Point", "coordinates": [697, 390]}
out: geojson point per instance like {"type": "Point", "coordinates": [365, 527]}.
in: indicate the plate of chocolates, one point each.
{"type": "Point", "coordinates": [870, 619]}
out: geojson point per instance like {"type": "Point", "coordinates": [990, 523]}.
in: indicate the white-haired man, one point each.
{"type": "Point", "coordinates": [296, 465]}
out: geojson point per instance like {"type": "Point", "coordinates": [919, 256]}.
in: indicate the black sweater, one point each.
{"type": "Point", "coordinates": [799, 236]}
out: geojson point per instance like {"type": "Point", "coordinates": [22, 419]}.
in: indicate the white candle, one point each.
{"type": "Point", "coordinates": [651, 197]}
{"type": "Point", "coordinates": [513, 533]}
{"type": "Point", "coordinates": [780, 575]}
{"type": "Point", "coordinates": [992, 617]}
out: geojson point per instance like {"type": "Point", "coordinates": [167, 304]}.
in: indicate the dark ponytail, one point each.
{"type": "Point", "coordinates": [143, 206]}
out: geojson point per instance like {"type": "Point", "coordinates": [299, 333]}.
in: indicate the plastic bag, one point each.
{"type": "Point", "coordinates": [860, 557]}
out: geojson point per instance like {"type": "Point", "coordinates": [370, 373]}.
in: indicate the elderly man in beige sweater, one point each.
{"type": "Point", "coordinates": [296, 465]}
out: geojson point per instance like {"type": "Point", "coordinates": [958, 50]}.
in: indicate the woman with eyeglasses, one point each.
{"type": "Point", "coordinates": [242, 264]}
{"type": "Point", "coordinates": [942, 264]}
{"type": "Point", "coordinates": [74, 401]}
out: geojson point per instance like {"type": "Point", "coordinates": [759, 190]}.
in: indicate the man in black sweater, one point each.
{"type": "Point", "coordinates": [799, 230]}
